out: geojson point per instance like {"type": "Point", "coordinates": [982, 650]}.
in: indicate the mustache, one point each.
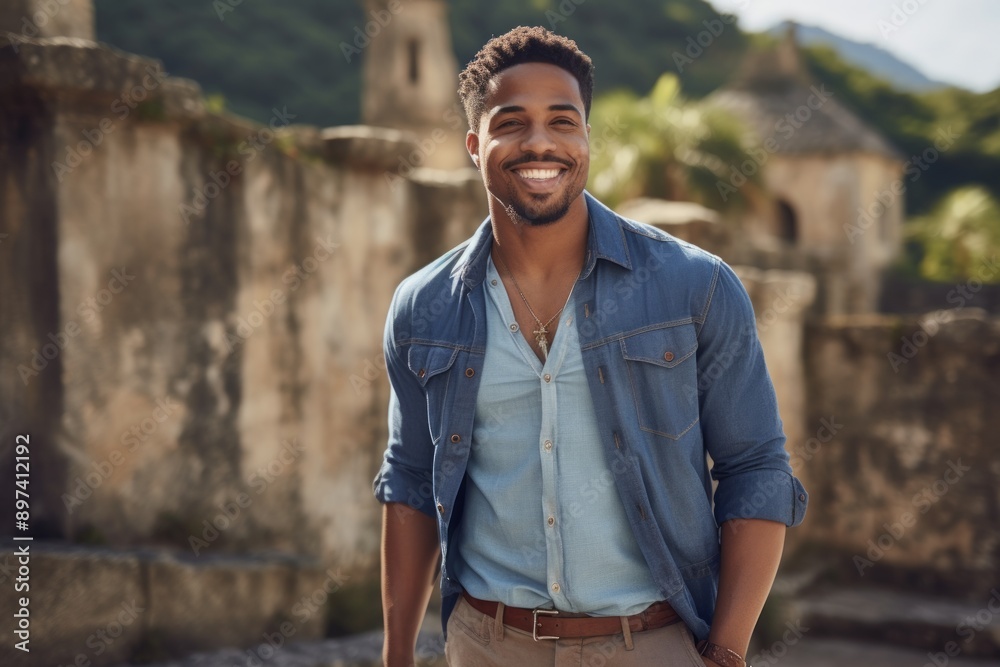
{"type": "Point", "coordinates": [531, 157]}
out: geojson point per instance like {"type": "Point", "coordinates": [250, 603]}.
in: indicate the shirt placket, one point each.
{"type": "Point", "coordinates": [548, 436]}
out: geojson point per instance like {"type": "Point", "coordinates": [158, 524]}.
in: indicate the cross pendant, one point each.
{"type": "Point", "coordinates": [542, 341]}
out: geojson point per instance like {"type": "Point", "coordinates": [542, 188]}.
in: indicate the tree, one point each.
{"type": "Point", "coordinates": [663, 146]}
{"type": "Point", "coordinates": [960, 239]}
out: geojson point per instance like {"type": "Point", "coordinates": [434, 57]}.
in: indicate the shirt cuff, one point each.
{"type": "Point", "coordinates": [399, 484]}
{"type": "Point", "coordinates": [774, 495]}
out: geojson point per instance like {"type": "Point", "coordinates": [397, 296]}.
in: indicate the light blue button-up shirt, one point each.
{"type": "Point", "coordinates": [675, 370]}
{"type": "Point", "coordinates": [543, 525]}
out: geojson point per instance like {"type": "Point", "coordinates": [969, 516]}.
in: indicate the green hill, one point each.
{"type": "Point", "coordinates": [261, 54]}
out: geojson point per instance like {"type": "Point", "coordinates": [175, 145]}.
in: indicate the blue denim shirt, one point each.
{"type": "Point", "coordinates": [543, 524]}
{"type": "Point", "coordinates": [675, 368]}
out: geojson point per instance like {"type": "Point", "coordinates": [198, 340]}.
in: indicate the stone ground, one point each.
{"type": "Point", "coordinates": [884, 614]}
{"type": "Point", "coordinates": [365, 651]}
{"type": "Point", "coordinates": [839, 653]}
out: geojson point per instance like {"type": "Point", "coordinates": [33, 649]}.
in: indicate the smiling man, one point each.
{"type": "Point", "coordinates": [549, 426]}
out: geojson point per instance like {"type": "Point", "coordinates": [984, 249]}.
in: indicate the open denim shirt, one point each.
{"type": "Point", "coordinates": [669, 343]}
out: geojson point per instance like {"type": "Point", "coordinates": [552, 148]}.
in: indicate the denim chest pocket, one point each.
{"type": "Point", "coordinates": [430, 365]}
{"type": "Point", "coordinates": [663, 374]}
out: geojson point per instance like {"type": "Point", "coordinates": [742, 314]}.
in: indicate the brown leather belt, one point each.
{"type": "Point", "coordinates": [553, 624]}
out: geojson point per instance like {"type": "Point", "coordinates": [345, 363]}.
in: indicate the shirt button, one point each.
{"type": "Point", "coordinates": [555, 587]}
{"type": "Point", "coordinates": [455, 437]}
{"type": "Point", "coordinates": [513, 327]}
{"type": "Point", "coordinates": [552, 521]}
{"type": "Point", "coordinates": [669, 356]}
{"type": "Point", "coordinates": [440, 509]}
{"type": "Point", "coordinates": [548, 445]}
{"type": "Point", "coordinates": [469, 372]}
{"type": "Point", "coordinates": [493, 282]}
{"type": "Point", "coordinates": [546, 377]}
{"type": "Point", "coordinates": [422, 372]}
{"type": "Point", "coordinates": [802, 497]}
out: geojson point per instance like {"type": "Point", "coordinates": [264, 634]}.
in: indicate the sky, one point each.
{"type": "Point", "coordinates": [954, 41]}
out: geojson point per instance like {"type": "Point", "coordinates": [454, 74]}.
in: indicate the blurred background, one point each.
{"type": "Point", "coordinates": [205, 206]}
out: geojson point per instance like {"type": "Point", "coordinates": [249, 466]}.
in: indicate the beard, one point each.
{"type": "Point", "coordinates": [536, 214]}
{"type": "Point", "coordinates": [538, 210]}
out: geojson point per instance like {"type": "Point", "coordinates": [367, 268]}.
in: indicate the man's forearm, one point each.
{"type": "Point", "coordinates": [410, 552]}
{"type": "Point", "coordinates": [751, 551]}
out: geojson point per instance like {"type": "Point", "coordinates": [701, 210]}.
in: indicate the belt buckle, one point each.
{"type": "Point", "coordinates": [534, 623]}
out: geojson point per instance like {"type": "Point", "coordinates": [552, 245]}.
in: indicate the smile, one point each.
{"type": "Point", "coordinates": [538, 174]}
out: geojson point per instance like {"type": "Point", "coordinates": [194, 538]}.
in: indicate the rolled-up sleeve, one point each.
{"type": "Point", "coordinates": [406, 472]}
{"type": "Point", "coordinates": [739, 413]}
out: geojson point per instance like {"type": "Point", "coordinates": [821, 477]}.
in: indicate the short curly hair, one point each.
{"type": "Point", "coordinates": [522, 45]}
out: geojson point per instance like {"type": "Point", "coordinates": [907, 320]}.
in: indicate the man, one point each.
{"type": "Point", "coordinates": [557, 381]}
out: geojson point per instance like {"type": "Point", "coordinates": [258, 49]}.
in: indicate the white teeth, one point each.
{"type": "Point", "coordinates": [538, 174]}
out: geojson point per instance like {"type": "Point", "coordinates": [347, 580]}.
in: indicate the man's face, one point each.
{"type": "Point", "coordinates": [532, 144]}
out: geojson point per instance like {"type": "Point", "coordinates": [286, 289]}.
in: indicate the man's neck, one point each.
{"type": "Point", "coordinates": [541, 253]}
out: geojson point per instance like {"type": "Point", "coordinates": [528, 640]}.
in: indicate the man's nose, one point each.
{"type": "Point", "coordinates": [538, 140]}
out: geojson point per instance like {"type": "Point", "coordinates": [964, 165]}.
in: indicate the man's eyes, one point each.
{"type": "Point", "coordinates": [558, 121]}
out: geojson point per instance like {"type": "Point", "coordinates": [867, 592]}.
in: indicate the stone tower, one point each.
{"type": "Point", "coordinates": [834, 184]}
{"type": "Point", "coordinates": [411, 79]}
{"type": "Point", "coordinates": [46, 18]}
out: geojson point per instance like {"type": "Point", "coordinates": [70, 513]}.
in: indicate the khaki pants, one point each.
{"type": "Point", "coordinates": [477, 640]}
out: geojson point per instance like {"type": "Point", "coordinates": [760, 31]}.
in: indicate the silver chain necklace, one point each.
{"type": "Point", "coordinates": [541, 333]}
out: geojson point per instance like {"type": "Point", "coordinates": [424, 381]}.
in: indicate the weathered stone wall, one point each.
{"type": "Point", "coordinates": [902, 469]}
{"type": "Point", "coordinates": [846, 210]}
{"type": "Point", "coordinates": [46, 18]}
{"type": "Point", "coordinates": [781, 300]}
{"type": "Point", "coordinates": [411, 79]}
{"type": "Point", "coordinates": [206, 298]}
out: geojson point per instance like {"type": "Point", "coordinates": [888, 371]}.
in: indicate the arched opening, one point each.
{"type": "Point", "coordinates": [788, 222]}
{"type": "Point", "coordinates": [413, 52]}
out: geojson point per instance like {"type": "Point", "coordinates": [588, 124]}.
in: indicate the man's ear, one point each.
{"type": "Point", "coordinates": [472, 145]}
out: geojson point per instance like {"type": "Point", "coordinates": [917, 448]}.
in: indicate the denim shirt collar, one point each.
{"type": "Point", "coordinates": [605, 239]}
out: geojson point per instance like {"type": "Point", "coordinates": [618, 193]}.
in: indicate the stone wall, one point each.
{"type": "Point", "coordinates": [196, 305]}
{"type": "Point", "coordinates": [26, 19]}
{"type": "Point", "coordinates": [902, 468]}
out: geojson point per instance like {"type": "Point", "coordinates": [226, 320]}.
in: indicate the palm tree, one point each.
{"type": "Point", "coordinates": [664, 146]}
{"type": "Point", "coordinates": [960, 238]}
